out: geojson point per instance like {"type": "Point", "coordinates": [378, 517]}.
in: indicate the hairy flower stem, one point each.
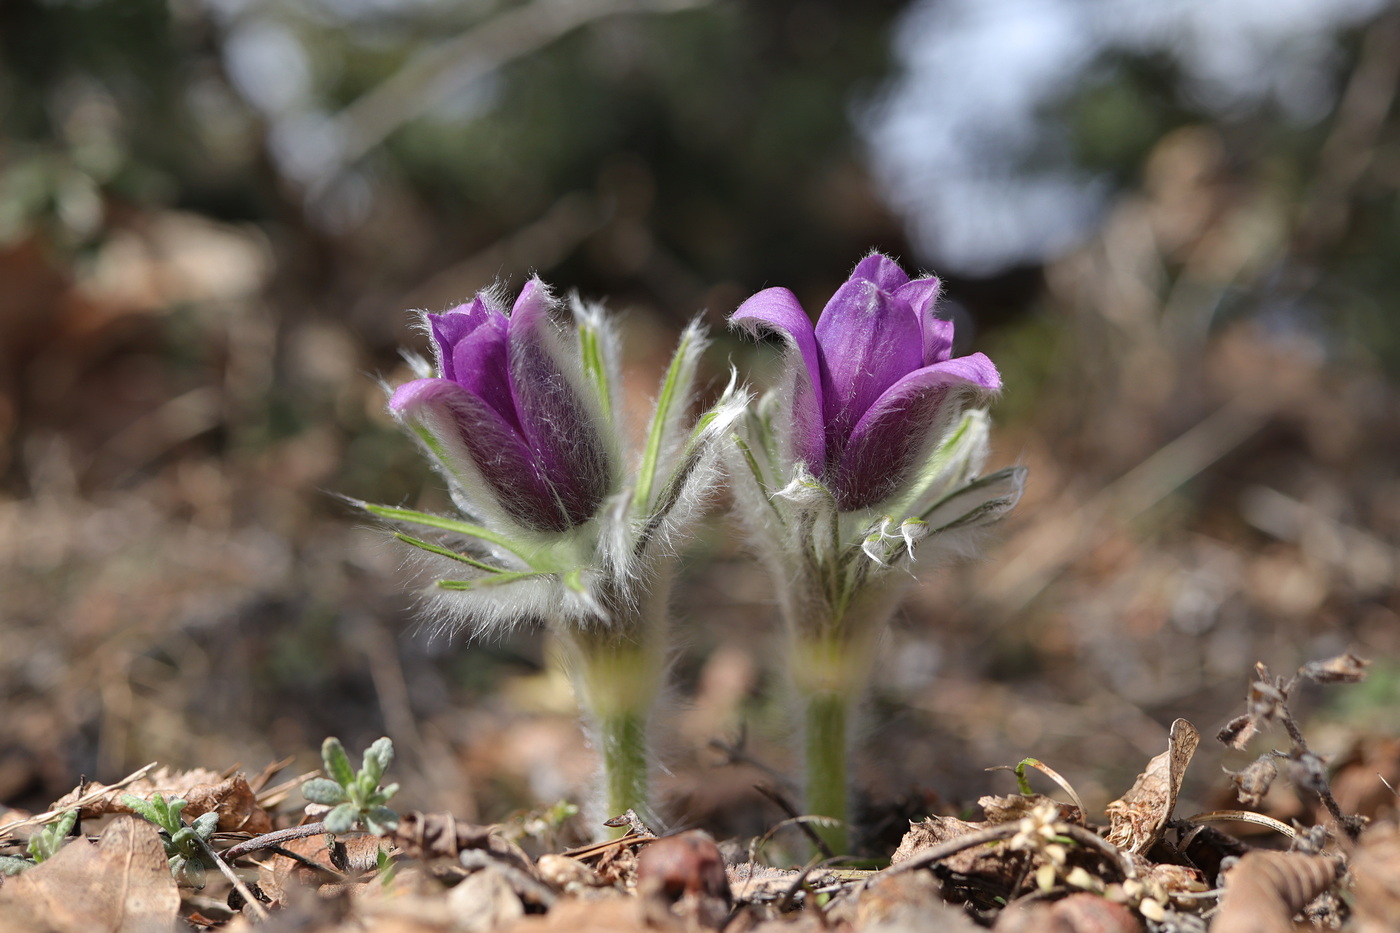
{"type": "Point", "coordinates": [623, 741]}
{"type": "Point", "coordinates": [826, 715]}
{"type": "Point", "coordinates": [829, 673]}
{"type": "Point", "coordinates": [617, 675]}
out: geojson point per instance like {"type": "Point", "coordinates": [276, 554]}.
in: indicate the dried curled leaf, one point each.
{"type": "Point", "coordinates": [441, 835]}
{"type": "Point", "coordinates": [1265, 890]}
{"type": "Point", "coordinates": [932, 832]}
{"type": "Point", "coordinates": [1343, 669]}
{"type": "Point", "coordinates": [1136, 819]}
{"type": "Point", "coordinates": [1238, 731]}
{"type": "Point", "coordinates": [205, 792]}
{"type": "Point", "coordinates": [1253, 782]}
{"type": "Point", "coordinates": [999, 809]}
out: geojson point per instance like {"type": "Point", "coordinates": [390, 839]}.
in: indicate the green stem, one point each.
{"type": "Point", "coordinates": [826, 716]}
{"type": "Point", "coordinates": [617, 680]}
{"type": "Point", "coordinates": [623, 737]}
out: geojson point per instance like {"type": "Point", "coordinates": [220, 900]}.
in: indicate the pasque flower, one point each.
{"type": "Point", "coordinates": [873, 384]}
{"type": "Point", "coordinates": [869, 447]}
{"type": "Point", "coordinates": [522, 418]}
{"type": "Point", "coordinates": [508, 417]}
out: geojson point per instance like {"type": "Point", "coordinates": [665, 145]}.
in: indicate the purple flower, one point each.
{"type": "Point", "coordinates": [507, 417]}
{"type": "Point", "coordinates": [874, 384]}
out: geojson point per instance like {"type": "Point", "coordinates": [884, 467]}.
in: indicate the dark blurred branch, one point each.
{"type": "Point", "coordinates": [427, 77]}
{"type": "Point", "coordinates": [1350, 149]}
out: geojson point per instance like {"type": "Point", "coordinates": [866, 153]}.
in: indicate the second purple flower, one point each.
{"type": "Point", "coordinates": [873, 384]}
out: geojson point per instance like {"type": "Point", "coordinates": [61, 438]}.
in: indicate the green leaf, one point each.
{"type": "Point", "coordinates": [205, 824]}
{"type": "Point", "coordinates": [381, 821]}
{"type": "Point", "coordinates": [651, 454]}
{"type": "Point", "coordinates": [595, 366]}
{"type": "Point", "coordinates": [342, 819]}
{"type": "Point", "coordinates": [337, 762]}
{"type": "Point", "coordinates": [1023, 783]}
{"type": "Point", "coordinates": [47, 841]}
{"type": "Point", "coordinates": [442, 523]}
{"type": "Point", "coordinates": [446, 552]}
{"type": "Point", "coordinates": [984, 499]}
{"type": "Point", "coordinates": [323, 791]}
{"type": "Point", "coordinates": [386, 793]}
{"type": "Point", "coordinates": [499, 579]}
{"type": "Point", "coordinates": [13, 864]}
{"type": "Point", "coordinates": [188, 871]}
{"type": "Point", "coordinates": [377, 759]}
{"type": "Point", "coordinates": [170, 813]}
{"type": "Point", "coordinates": [144, 808]}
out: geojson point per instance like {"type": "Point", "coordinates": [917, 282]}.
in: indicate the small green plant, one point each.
{"type": "Point", "coordinates": [355, 796]}
{"type": "Point", "coordinates": [186, 845]}
{"type": "Point", "coordinates": [42, 845]}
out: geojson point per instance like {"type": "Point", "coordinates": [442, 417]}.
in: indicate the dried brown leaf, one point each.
{"type": "Point", "coordinates": [933, 831]}
{"type": "Point", "coordinates": [316, 861]}
{"type": "Point", "coordinates": [1254, 781]}
{"type": "Point", "coordinates": [441, 835]}
{"type": "Point", "coordinates": [753, 883]}
{"type": "Point", "coordinates": [1004, 809]}
{"type": "Point", "coordinates": [1078, 913]}
{"type": "Point", "coordinates": [609, 915]}
{"type": "Point", "coordinates": [910, 902]}
{"type": "Point", "coordinates": [1136, 819]}
{"type": "Point", "coordinates": [567, 874]}
{"type": "Point", "coordinates": [484, 901]}
{"type": "Point", "coordinates": [205, 791]}
{"type": "Point", "coordinates": [1265, 890]}
{"type": "Point", "coordinates": [1265, 700]}
{"type": "Point", "coordinates": [1238, 731]}
{"type": "Point", "coordinates": [120, 885]}
{"type": "Point", "coordinates": [1375, 870]}
{"type": "Point", "coordinates": [1343, 669]}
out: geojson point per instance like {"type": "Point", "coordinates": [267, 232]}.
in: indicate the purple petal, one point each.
{"type": "Point", "coordinates": [777, 310]}
{"type": "Point", "coordinates": [470, 437]}
{"type": "Point", "coordinates": [882, 270]}
{"type": "Point", "coordinates": [921, 295]}
{"type": "Point", "coordinates": [559, 428]}
{"type": "Point", "coordinates": [887, 443]}
{"type": "Point", "coordinates": [451, 327]}
{"type": "Point", "coordinates": [868, 341]}
{"type": "Point", "coordinates": [480, 365]}
{"type": "Point", "coordinates": [938, 340]}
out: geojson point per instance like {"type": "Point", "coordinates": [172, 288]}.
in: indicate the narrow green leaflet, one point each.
{"type": "Point", "coordinates": [337, 763]}
{"type": "Point", "coordinates": [651, 454]}
{"type": "Point", "coordinates": [447, 552]}
{"type": "Point", "coordinates": [509, 576]}
{"type": "Point", "coordinates": [981, 500]}
{"type": "Point", "coordinates": [427, 519]}
{"type": "Point", "coordinates": [594, 364]}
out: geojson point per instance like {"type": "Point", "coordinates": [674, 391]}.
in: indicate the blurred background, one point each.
{"type": "Point", "coordinates": [1173, 225]}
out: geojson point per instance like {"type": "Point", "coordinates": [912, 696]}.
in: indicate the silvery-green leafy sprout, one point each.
{"type": "Point", "coordinates": [185, 844]}
{"type": "Point", "coordinates": [868, 449]}
{"type": "Point", "coordinates": [42, 846]}
{"type": "Point", "coordinates": [355, 796]}
{"type": "Point", "coordinates": [558, 522]}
